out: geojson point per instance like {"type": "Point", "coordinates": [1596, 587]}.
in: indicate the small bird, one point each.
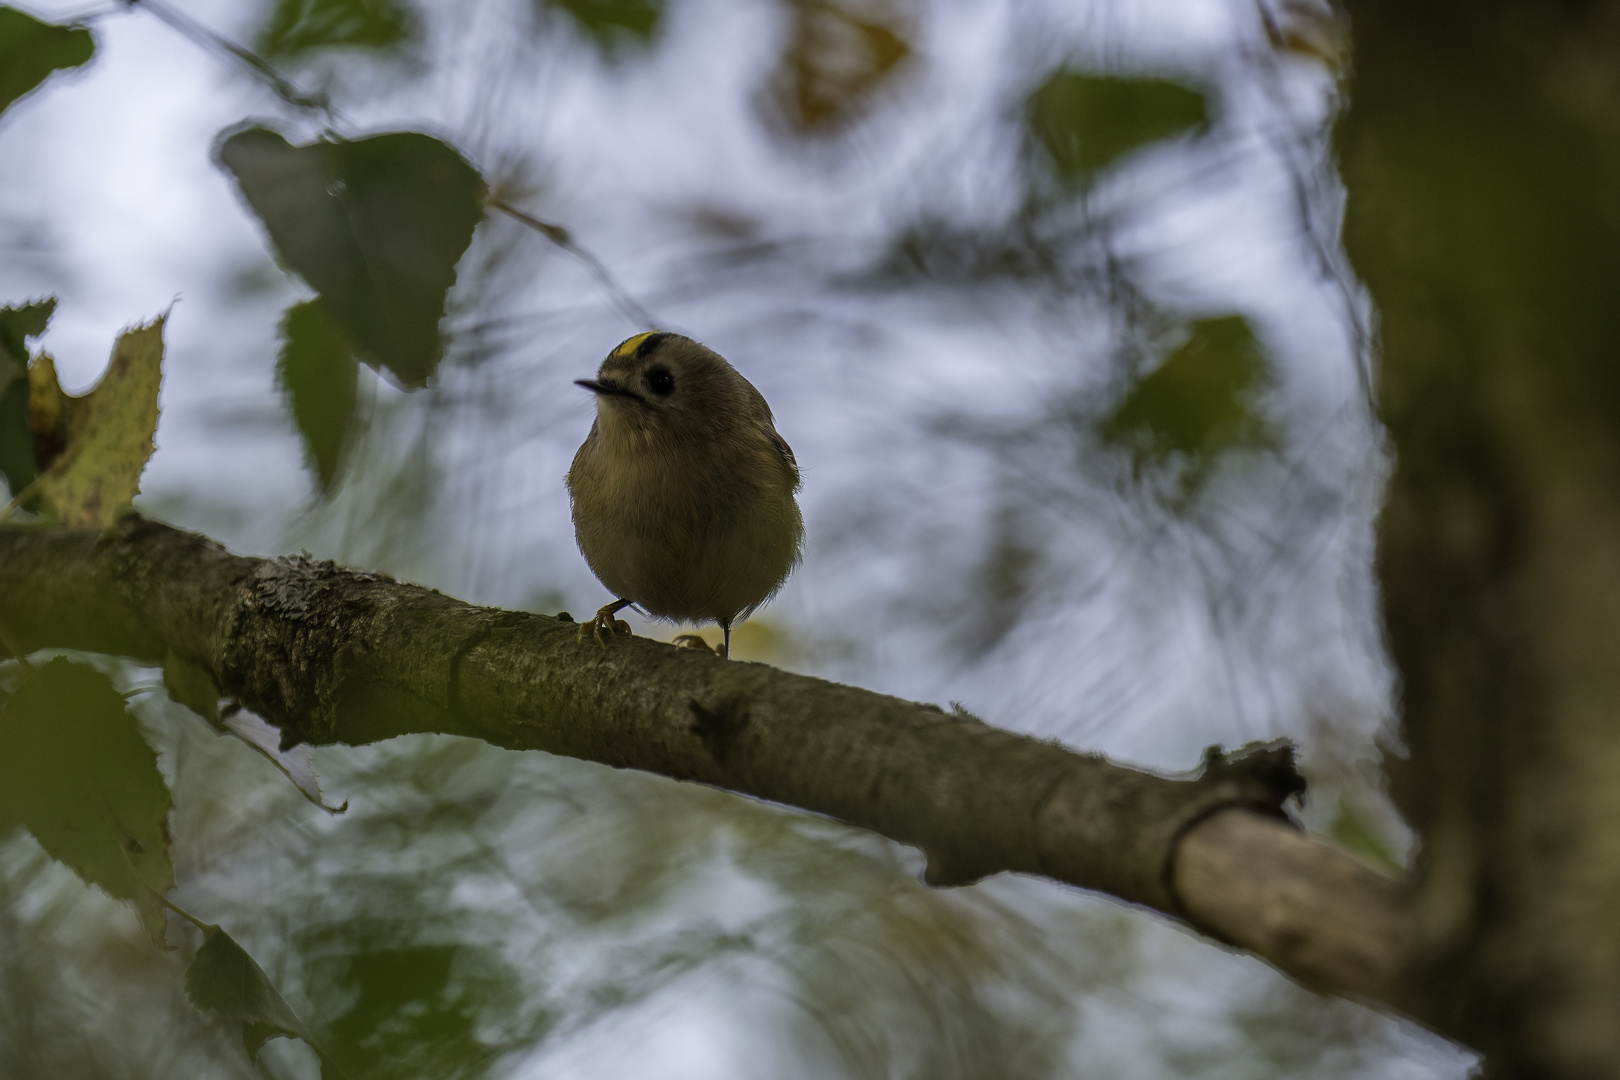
{"type": "Point", "coordinates": [683, 490]}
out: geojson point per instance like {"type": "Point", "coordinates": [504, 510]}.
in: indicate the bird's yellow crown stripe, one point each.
{"type": "Point", "coordinates": [628, 346]}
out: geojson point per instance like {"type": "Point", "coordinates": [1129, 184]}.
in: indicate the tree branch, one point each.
{"type": "Point", "coordinates": [331, 655]}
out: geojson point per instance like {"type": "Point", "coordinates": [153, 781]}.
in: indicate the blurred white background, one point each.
{"type": "Point", "coordinates": [938, 335]}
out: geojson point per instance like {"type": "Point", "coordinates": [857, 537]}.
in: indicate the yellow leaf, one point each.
{"type": "Point", "coordinates": [52, 411]}
{"type": "Point", "coordinates": [840, 52]}
{"type": "Point", "coordinates": [110, 437]}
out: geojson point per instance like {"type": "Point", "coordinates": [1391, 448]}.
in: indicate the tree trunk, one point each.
{"type": "Point", "coordinates": [1480, 153]}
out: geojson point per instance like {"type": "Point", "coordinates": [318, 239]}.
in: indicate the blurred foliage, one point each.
{"type": "Point", "coordinates": [30, 51]}
{"type": "Point", "coordinates": [1085, 122]}
{"type": "Point", "coordinates": [610, 23]}
{"type": "Point", "coordinates": [298, 26]}
{"type": "Point", "coordinates": [76, 773]}
{"type": "Point", "coordinates": [106, 436]}
{"type": "Point", "coordinates": [318, 376]}
{"type": "Point", "coordinates": [479, 911]}
{"type": "Point", "coordinates": [1201, 403]}
{"type": "Point", "coordinates": [413, 1010]}
{"type": "Point", "coordinates": [17, 452]}
{"type": "Point", "coordinates": [375, 225]}
{"type": "Point", "coordinates": [838, 54]}
{"type": "Point", "coordinates": [223, 979]}
{"type": "Point", "coordinates": [1354, 828]}
{"type": "Point", "coordinates": [1078, 124]}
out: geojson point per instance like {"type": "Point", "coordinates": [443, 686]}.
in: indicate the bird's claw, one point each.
{"type": "Point", "coordinates": [604, 621]}
{"type": "Point", "coordinates": [693, 641]}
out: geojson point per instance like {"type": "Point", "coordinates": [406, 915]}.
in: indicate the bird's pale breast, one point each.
{"type": "Point", "coordinates": [694, 536]}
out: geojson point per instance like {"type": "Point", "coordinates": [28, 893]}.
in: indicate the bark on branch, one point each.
{"type": "Point", "coordinates": [331, 655]}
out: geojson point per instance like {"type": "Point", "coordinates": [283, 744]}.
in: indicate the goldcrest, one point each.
{"type": "Point", "coordinates": [683, 490]}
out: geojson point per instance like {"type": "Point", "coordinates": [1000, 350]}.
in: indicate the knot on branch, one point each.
{"type": "Point", "coordinates": [1118, 830]}
{"type": "Point", "coordinates": [1262, 776]}
{"type": "Point", "coordinates": [718, 727]}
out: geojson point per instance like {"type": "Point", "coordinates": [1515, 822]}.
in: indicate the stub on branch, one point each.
{"type": "Point", "coordinates": [1122, 833]}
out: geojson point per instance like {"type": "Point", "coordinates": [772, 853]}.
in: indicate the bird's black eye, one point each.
{"type": "Point", "coordinates": [660, 381]}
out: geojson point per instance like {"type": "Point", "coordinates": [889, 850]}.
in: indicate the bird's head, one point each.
{"type": "Point", "coordinates": [661, 384]}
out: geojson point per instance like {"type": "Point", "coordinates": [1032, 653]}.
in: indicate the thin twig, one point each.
{"type": "Point", "coordinates": [95, 14]}
{"type": "Point", "coordinates": [178, 910]}
{"type": "Point", "coordinates": [221, 45]}
{"type": "Point", "coordinates": [560, 236]}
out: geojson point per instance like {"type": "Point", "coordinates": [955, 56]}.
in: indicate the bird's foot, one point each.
{"type": "Point", "coordinates": [690, 642]}
{"type": "Point", "coordinates": [693, 641]}
{"type": "Point", "coordinates": [604, 621]}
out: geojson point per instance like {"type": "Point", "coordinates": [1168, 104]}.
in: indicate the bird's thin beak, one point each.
{"type": "Point", "coordinates": [608, 388]}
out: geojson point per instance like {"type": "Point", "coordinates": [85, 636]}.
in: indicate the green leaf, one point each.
{"type": "Point", "coordinates": [318, 375]}
{"type": "Point", "coordinates": [1200, 403]}
{"type": "Point", "coordinates": [31, 50]}
{"type": "Point", "coordinates": [54, 415]}
{"type": "Point", "coordinates": [223, 979]}
{"type": "Point", "coordinates": [375, 226]}
{"type": "Point", "coordinates": [17, 325]}
{"type": "Point", "coordinates": [99, 471]}
{"type": "Point", "coordinates": [609, 22]}
{"type": "Point", "coordinates": [75, 772]}
{"type": "Point", "coordinates": [297, 26]}
{"type": "Point", "coordinates": [1085, 122]}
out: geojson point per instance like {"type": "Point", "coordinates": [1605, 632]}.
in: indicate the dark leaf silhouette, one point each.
{"type": "Point", "coordinates": [1085, 122]}
{"type": "Point", "coordinates": [375, 225]}
{"type": "Point", "coordinates": [413, 1010]}
{"type": "Point", "coordinates": [317, 372]}
{"type": "Point", "coordinates": [76, 773]}
{"type": "Point", "coordinates": [17, 325]}
{"type": "Point", "coordinates": [612, 22]}
{"type": "Point", "coordinates": [30, 51]}
{"type": "Point", "coordinates": [223, 979]}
